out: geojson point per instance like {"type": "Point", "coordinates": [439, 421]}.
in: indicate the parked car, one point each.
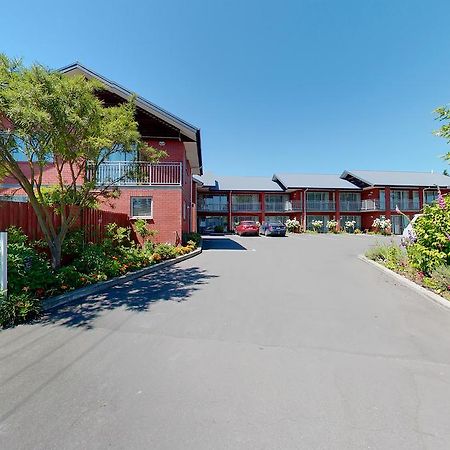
{"type": "Point", "coordinates": [272, 228]}
{"type": "Point", "coordinates": [247, 227]}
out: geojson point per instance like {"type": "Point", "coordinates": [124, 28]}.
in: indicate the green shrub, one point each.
{"type": "Point", "coordinates": [74, 243]}
{"type": "Point", "coordinates": [196, 237]}
{"type": "Point", "coordinates": [165, 251]}
{"type": "Point", "coordinates": [116, 236]}
{"type": "Point", "coordinates": [431, 245]}
{"type": "Point", "coordinates": [69, 277]}
{"type": "Point", "coordinates": [28, 269]}
{"type": "Point", "coordinates": [439, 279]}
{"type": "Point", "coordinates": [149, 247]}
{"type": "Point", "coordinates": [141, 227]}
{"type": "Point", "coordinates": [389, 255]}
{"type": "Point", "coordinates": [96, 261]}
{"type": "Point", "coordinates": [18, 308]}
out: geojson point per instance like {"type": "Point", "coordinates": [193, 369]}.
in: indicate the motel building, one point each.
{"type": "Point", "coordinates": [174, 195]}
{"type": "Point", "coordinates": [357, 195]}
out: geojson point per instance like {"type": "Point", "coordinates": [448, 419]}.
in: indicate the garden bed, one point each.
{"type": "Point", "coordinates": [395, 259]}
{"type": "Point", "coordinates": [31, 279]}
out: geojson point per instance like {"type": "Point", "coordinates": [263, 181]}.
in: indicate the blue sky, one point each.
{"type": "Point", "coordinates": [287, 86]}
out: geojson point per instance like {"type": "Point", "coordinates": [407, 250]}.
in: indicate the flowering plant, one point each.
{"type": "Point", "coordinates": [382, 224]}
{"type": "Point", "coordinates": [332, 225]}
{"type": "Point", "coordinates": [350, 225]}
{"type": "Point", "coordinates": [317, 224]}
{"type": "Point", "coordinates": [292, 225]}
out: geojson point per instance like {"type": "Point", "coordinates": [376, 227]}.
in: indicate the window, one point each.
{"type": "Point", "coordinates": [208, 224]}
{"type": "Point", "coordinates": [430, 196]}
{"type": "Point", "coordinates": [121, 155]}
{"type": "Point", "coordinates": [142, 207]}
{"type": "Point", "coordinates": [281, 219]}
{"type": "Point", "coordinates": [14, 198]}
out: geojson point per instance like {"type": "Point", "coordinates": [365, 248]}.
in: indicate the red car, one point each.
{"type": "Point", "coordinates": [247, 227]}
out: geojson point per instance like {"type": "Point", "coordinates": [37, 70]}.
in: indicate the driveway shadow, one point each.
{"type": "Point", "coordinates": [174, 283]}
{"type": "Point", "coordinates": [221, 244]}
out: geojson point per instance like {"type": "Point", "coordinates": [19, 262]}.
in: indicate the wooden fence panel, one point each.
{"type": "Point", "coordinates": [92, 221]}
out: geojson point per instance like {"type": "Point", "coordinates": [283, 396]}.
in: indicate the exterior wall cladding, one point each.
{"type": "Point", "coordinates": [224, 207]}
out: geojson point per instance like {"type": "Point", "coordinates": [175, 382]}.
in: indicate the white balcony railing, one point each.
{"type": "Point", "coordinates": [350, 206]}
{"type": "Point", "coordinates": [320, 205]}
{"type": "Point", "coordinates": [125, 173]}
{"type": "Point", "coordinates": [213, 207]}
{"type": "Point", "coordinates": [246, 207]}
{"type": "Point", "coordinates": [406, 205]}
{"type": "Point", "coordinates": [370, 205]}
{"type": "Point", "coordinates": [289, 205]}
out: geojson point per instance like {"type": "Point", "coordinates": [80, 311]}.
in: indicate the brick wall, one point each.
{"type": "Point", "coordinates": [167, 212]}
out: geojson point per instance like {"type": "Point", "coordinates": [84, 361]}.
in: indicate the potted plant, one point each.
{"type": "Point", "coordinates": [317, 225]}
{"type": "Point", "coordinates": [293, 225]}
{"type": "Point", "coordinates": [349, 226]}
{"type": "Point", "coordinates": [332, 226]}
{"type": "Point", "coordinates": [382, 225]}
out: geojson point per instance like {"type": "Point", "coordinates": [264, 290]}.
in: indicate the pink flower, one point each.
{"type": "Point", "coordinates": [441, 201]}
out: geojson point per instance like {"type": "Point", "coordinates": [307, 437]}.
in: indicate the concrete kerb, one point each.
{"type": "Point", "coordinates": [82, 293]}
{"type": "Point", "coordinates": [419, 289]}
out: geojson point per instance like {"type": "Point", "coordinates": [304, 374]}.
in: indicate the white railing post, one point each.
{"type": "Point", "coordinates": [3, 263]}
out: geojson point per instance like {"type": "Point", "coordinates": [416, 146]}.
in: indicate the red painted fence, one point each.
{"type": "Point", "coordinates": [92, 221]}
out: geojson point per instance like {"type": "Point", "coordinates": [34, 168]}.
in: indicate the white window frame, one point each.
{"type": "Point", "coordinates": [132, 198]}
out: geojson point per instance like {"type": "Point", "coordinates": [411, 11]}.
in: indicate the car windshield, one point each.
{"type": "Point", "coordinates": [277, 224]}
{"type": "Point", "coordinates": [248, 222]}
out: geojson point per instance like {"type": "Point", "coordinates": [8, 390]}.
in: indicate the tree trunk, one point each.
{"type": "Point", "coordinates": [56, 253]}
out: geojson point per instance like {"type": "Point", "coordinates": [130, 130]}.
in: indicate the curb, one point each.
{"type": "Point", "coordinates": [419, 289]}
{"type": "Point", "coordinates": [72, 296]}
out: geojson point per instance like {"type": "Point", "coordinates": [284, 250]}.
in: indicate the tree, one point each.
{"type": "Point", "coordinates": [56, 121]}
{"type": "Point", "coordinates": [443, 115]}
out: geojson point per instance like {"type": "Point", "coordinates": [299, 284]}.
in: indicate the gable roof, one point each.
{"type": "Point", "coordinates": [365, 178]}
{"type": "Point", "coordinates": [312, 181]}
{"type": "Point", "coordinates": [235, 183]}
{"type": "Point", "coordinates": [192, 133]}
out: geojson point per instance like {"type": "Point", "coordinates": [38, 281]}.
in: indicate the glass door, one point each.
{"type": "Point", "coordinates": [398, 223]}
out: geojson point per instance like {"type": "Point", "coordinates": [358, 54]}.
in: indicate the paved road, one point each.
{"type": "Point", "coordinates": [258, 343]}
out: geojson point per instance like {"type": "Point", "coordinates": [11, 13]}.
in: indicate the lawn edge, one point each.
{"type": "Point", "coordinates": [70, 297]}
{"type": "Point", "coordinates": [414, 286]}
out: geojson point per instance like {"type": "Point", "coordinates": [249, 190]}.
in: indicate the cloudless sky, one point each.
{"type": "Point", "coordinates": [275, 86]}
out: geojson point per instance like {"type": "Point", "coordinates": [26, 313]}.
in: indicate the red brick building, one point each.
{"type": "Point", "coordinates": [359, 196]}
{"type": "Point", "coordinates": [163, 193]}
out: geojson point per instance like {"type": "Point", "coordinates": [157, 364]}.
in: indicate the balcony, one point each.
{"type": "Point", "coordinates": [320, 205]}
{"type": "Point", "coordinates": [370, 205]}
{"type": "Point", "coordinates": [213, 207]}
{"type": "Point", "coordinates": [406, 205]}
{"type": "Point", "coordinates": [347, 206]}
{"type": "Point", "coordinates": [125, 173]}
{"type": "Point", "coordinates": [246, 207]}
{"type": "Point", "coordinates": [287, 206]}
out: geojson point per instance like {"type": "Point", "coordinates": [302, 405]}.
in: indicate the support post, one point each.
{"type": "Point", "coordinates": [3, 263]}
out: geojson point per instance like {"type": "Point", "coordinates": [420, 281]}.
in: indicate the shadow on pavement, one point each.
{"type": "Point", "coordinates": [175, 283]}
{"type": "Point", "coordinates": [221, 244]}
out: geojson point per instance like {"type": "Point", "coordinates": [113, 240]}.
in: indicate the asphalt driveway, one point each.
{"type": "Point", "coordinates": [258, 343]}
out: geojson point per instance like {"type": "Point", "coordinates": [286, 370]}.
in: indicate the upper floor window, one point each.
{"type": "Point", "coordinates": [121, 155]}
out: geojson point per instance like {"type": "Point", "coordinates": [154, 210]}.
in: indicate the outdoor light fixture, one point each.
{"type": "Point", "coordinates": [162, 143]}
